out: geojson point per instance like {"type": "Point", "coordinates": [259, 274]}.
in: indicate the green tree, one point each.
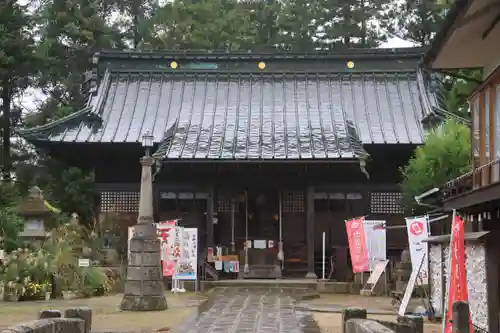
{"type": "Point", "coordinates": [416, 21]}
{"type": "Point", "coordinates": [298, 25]}
{"type": "Point", "coordinates": [69, 33]}
{"type": "Point", "coordinates": [10, 223]}
{"type": "Point", "coordinates": [446, 154]}
{"type": "Point", "coordinates": [202, 25]}
{"type": "Point", "coordinates": [351, 23]}
{"type": "Point", "coordinates": [17, 66]}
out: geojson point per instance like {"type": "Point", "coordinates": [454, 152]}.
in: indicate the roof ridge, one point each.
{"type": "Point", "coordinates": [355, 53]}
{"type": "Point", "coordinates": [54, 123]}
{"type": "Point", "coordinates": [257, 73]}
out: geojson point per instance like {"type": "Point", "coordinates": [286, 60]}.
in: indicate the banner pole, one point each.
{"type": "Point", "coordinates": [324, 255]}
{"type": "Point", "coordinates": [448, 278]}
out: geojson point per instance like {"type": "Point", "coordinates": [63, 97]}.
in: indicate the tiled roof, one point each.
{"type": "Point", "coordinates": [247, 115]}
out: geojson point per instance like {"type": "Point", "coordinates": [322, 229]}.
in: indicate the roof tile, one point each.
{"type": "Point", "coordinates": [256, 116]}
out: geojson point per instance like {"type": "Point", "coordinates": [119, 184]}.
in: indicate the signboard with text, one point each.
{"type": "Point", "coordinates": [187, 265]}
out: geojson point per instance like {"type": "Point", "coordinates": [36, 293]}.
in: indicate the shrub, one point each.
{"type": "Point", "coordinates": [29, 273]}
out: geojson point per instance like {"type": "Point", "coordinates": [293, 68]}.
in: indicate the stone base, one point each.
{"type": "Point", "coordinates": [143, 303]}
{"type": "Point", "coordinates": [144, 288]}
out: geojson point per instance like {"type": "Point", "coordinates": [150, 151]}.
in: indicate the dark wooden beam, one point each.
{"type": "Point", "coordinates": [310, 232]}
{"type": "Point", "coordinates": [491, 27]}
{"type": "Point", "coordinates": [479, 14]}
{"type": "Point", "coordinates": [480, 196]}
{"type": "Point", "coordinates": [210, 217]}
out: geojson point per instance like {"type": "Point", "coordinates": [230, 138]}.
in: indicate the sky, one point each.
{"type": "Point", "coordinates": [395, 42]}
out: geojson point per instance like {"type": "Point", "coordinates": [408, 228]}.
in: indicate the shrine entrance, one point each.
{"type": "Point", "coordinates": [259, 256]}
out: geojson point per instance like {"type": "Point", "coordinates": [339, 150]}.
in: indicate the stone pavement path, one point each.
{"type": "Point", "coordinates": [250, 310]}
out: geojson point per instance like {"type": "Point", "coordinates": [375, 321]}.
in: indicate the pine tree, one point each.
{"type": "Point", "coordinates": [417, 21]}
{"type": "Point", "coordinates": [201, 24]}
{"type": "Point", "coordinates": [17, 66]}
{"type": "Point", "coordinates": [351, 23]}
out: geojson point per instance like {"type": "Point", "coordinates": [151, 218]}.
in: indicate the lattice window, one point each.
{"type": "Point", "coordinates": [385, 203]}
{"type": "Point", "coordinates": [293, 202]}
{"type": "Point", "coordinates": [120, 202]}
{"type": "Point", "coordinates": [224, 204]}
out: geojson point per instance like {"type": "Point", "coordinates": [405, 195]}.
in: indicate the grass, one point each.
{"type": "Point", "coordinates": [105, 312]}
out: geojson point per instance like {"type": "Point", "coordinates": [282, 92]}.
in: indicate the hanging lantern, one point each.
{"type": "Point", "coordinates": [174, 65]}
{"type": "Point", "coordinates": [262, 65]}
{"type": "Point", "coordinates": [350, 64]}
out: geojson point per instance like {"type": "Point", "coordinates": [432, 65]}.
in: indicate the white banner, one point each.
{"type": "Point", "coordinates": [417, 232]}
{"type": "Point", "coordinates": [376, 244]}
{"type": "Point", "coordinates": [187, 266]}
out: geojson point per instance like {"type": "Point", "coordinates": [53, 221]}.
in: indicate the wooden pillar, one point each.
{"type": "Point", "coordinates": [310, 232]}
{"type": "Point", "coordinates": [210, 217]}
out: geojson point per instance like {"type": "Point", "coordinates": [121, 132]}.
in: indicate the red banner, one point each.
{"type": "Point", "coordinates": [165, 233]}
{"type": "Point", "coordinates": [357, 244]}
{"type": "Point", "coordinates": [457, 287]}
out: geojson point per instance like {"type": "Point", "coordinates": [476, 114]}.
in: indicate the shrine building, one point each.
{"type": "Point", "coordinates": [276, 147]}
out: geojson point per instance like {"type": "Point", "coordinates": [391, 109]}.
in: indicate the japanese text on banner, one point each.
{"type": "Point", "coordinates": [357, 244]}
{"type": "Point", "coordinates": [417, 232]}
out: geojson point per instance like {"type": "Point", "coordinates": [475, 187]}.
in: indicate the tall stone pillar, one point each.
{"type": "Point", "coordinates": [144, 288]}
{"type": "Point", "coordinates": [310, 232]}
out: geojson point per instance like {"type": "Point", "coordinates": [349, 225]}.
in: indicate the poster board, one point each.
{"type": "Point", "coordinates": [187, 265]}
{"type": "Point", "coordinates": [374, 277]}
{"type": "Point", "coordinates": [411, 285]}
{"type": "Point", "coordinates": [376, 242]}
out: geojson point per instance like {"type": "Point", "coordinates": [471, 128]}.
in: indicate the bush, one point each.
{"type": "Point", "coordinates": [29, 273]}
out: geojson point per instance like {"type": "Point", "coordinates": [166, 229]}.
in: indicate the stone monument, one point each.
{"type": "Point", "coordinates": [403, 271]}
{"type": "Point", "coordinates": [34, 212]}
{"type": "Point", "coordinates": [144, 288]}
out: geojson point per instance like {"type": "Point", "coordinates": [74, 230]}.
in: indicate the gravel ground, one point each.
{"type": "Point", "coordinates": [105, 312]}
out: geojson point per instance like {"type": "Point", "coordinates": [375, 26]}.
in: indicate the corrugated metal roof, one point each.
{"type": "Point", "coordinates": [267, 115]}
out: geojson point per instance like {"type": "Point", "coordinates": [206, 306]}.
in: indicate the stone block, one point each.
{"type": "Point", "coordinates": [415, 322]}
{"type": "Point", "coordinates": [350, 313]}
{"type": "Point", "coordinates": [82, 313]}
{"type": "Point", "coordinates": [354, 288]}
{"type": "Point", "coordinates": [143, 259]}
{"type": "Point", "coordinates": [147, 288]}
{"type": "Point", "coordinates": [143, 303]}
{"type": "Point", "coordinates": [461, 316]}
{"type": "Point", "coordinates": [44, 314]}
{"type": "Point", "coordinates": [68, 325]}
{"type": "Point", "coordinates": [34, 326]}
{"type": "Point", "coordinates": [144, 273]}
{"type": "Point", "coordinates": [144, 245]}
{"type": "Point", "coordinates": [365, 326]}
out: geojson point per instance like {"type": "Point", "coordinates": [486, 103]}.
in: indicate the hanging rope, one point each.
{"type": "Point", "coordinates": [232, 227]}
{"type": "Point", "coordinates": [281, 255]}
{"type": "Point", "coordinates": [246, 268]}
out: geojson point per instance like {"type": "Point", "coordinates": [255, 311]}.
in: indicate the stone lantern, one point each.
{"type": "Point", "coordinates": [33, 210]}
